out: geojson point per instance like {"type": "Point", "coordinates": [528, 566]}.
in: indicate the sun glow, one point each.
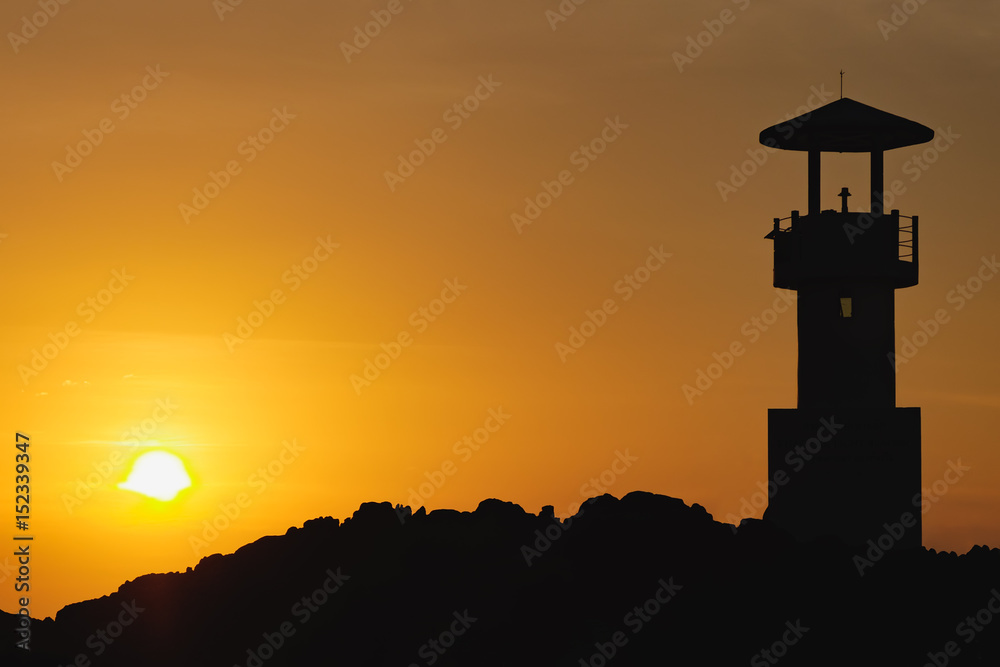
{"type": "Point", "coordinates": [158, 474]}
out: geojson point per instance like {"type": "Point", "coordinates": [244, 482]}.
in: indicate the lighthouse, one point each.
{"type": "Point", "coordinates": [846, 461]}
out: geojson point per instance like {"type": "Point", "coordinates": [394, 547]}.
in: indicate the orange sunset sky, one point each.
{"type": "Point", "coordinates": [120, 116]}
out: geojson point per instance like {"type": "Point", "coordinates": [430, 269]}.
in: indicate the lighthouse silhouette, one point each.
{"type": "Point", "coordinates": [846, 462]}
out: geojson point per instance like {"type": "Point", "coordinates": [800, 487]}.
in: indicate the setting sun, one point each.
{"type": "Point", "coordinates": [160, 475]}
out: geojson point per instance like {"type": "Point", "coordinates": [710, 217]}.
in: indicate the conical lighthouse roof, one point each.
{"type": "Point", "coordinates": [846, 126]}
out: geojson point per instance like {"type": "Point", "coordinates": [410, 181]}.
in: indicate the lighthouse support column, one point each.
{"type": "Point", "coordinates": [852, 473]}
{"type": "Point", "coordinates": [814, 179]}
{"type": "Point", "coordinates": [876, 178]}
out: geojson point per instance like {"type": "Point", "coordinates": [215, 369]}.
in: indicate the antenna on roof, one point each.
{"type": "Point", "coordinates": [841, 84]}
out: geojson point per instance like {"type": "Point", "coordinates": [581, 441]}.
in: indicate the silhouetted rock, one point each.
{"type": "Point", "coordinates": [640, 580]}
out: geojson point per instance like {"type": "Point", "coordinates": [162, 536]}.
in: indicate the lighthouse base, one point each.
{"type": "Point", "coordinates": [853, 474]}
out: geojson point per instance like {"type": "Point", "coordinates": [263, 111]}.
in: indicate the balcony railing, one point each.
{"type": "Point", "coordinates": [907, 238]}
{"type": "Point", "coordinates": [834, 245]}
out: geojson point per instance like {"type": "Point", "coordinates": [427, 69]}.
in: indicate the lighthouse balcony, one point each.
{"type": "Point", "coordinates": [843, 247]}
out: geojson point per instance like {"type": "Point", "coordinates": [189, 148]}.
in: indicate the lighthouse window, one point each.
{"type": "Point", "coordinates": [846, 307]}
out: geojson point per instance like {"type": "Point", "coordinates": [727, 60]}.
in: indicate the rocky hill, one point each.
{"type": "Point", "coordinates": [644, 580]}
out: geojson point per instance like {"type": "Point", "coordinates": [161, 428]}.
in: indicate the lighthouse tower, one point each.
{"type": "Point", "coordinates": [846, 461]}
